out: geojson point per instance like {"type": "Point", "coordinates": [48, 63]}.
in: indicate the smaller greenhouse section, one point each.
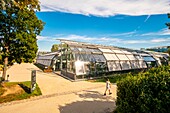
{"type": "Point", "coordinates": [48, 60]}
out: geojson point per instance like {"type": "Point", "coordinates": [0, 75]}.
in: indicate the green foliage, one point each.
{"type": "Point", "coordinates": [33, 4]}
{"type": "Point", "coordinates": [148, 92]}
{"type": "Point", "coordinates": [55, 48]}
{"type": "Point", "coordinates": [2, 90]}
{"type": "Point", "coordinates": [19, 28]}
{"type": "Point", "coordinates": [168, 24]}
{"type": "Point", "coordinates": [19, 96]}
{"type": "Point", "coordinates": [113, 78]}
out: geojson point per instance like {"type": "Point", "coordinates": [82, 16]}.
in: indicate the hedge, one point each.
{"type": "Point", "coordinates": [147, 92]}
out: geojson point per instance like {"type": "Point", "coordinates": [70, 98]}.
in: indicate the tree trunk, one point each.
{"type": "Point", "coordinates": [5, 65]}
{"type": "Point", "coordinates": [5, 68]}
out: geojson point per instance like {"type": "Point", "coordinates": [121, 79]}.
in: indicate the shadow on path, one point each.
{"type": "Point", "coordinates": [93, 102]}
{"type": "Point", "coordinates": [88, 107]}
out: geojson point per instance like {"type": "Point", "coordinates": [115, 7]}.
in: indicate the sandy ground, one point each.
{"type": "Point", "coordinates": [59, 95]}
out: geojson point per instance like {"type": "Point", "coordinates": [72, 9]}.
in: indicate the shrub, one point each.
{"type": "Point", "coordinates": [147, 92]}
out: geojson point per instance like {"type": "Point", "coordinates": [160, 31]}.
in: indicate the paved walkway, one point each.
{"type": "Point", "coordinates": [59, 95]}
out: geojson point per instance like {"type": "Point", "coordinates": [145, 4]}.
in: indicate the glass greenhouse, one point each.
{"type": "Point", "coordinates": [79, 60]}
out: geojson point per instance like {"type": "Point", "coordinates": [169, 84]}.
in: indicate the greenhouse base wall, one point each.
{"type": "Point", "coordinates": [68, 74]}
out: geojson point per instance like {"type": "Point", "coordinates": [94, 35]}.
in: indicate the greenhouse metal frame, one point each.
{"type": "Point", "coordinates": [79, 60]}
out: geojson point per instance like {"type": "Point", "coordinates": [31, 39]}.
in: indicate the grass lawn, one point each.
{"type": "Point", "coordinates": [10, 91]}
{"type": "Point", "coordinates": [113, 78]}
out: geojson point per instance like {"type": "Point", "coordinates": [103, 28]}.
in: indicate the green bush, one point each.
{"type": "Point", "coordinates": [147, 92]}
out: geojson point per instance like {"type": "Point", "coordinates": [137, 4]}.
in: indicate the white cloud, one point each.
{"type": "Point", "coordinates": [104, 40]}
{"type": "Point", "coordinates": [135, 41]}
{"type": "Point", "coordinates": [163, 32]}
{"type": "Point", "coordinates": [160, 40]}
{"type": "Point", "coordinates": [41, 37]}
{"type": "Point", "coordinates": [90, 39]}
{"type": "Point", "coordinates": [110, 41]}
{"type": "Point", "coordinates": [107, 7]}
{"type": "Point", "coordinates": [45, 38]}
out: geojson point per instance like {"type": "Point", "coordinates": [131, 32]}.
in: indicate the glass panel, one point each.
{"type": "Point", "coordinates": [125, 65]}
{"type": "Point", "coordinates": [91, 58]}
{"type": "Point", "coordinates": [46, 57]}
{"type": "Point", "coordinates": [85, 57]}
{"type": "Point", "coordinates": [78, 57]}
{"type": "Point", "coordinates": [100, 67]}
{"type": "Point", "coordinates": [138, 57]}
{"type": "Point", "coordinates": [92, 68]}
{"type": "Point", "coordinates": [110, 57]}
{"type": "Point", "coordinates": [87, 50]}
{"type": "Point", "coordinates": [106, 50]}
{"type": "Point", "coordinates": [148, 58]}
{"type": "Point", "coordinates": [79, 68]}
{"type": "Point", "coordinates": [70, 64]}
{"type": "Point", "coordinates": [131, 57]}
{"type": "Point", "coordinates": [144, 54]}
{"type": "Point", "coordinates": [135, 64]}
{"type": "Point", "coordinates": [87, 67]}
{"type": "Point", "coordinates": [117, 51]}
{"type": "Point", "coordinates": [126, 52]}
{"type": "Point", "coordinates": [142, 64]}
{"type": "Point", "coordinates": [64, 58]}
{"type": "Point", "coordinates": [46, 62]}
{"type": "Point", "coordinates": [74, 49]}
{"type": "Point", "coordinates": [81, 49]}
{"type": "Point", "coordinates": [114, 66]}
{"type": "Point", "coordinates": [99, 58]}
{"type": "Point", "coordinates": [95, 51]}
{"type": "Point", "coordinates": [122, 57]}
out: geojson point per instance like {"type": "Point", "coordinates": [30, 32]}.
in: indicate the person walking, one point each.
{"type": "Point", "coordinates": [108, 87]}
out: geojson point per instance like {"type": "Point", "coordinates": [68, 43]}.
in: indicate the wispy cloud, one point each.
{"type": "Point", "coordinates": [163, 32]}
{"type": "Point", "coordinates": [160, 40]}
{"type": "Point", "coordinates": [89, 39]}
{"type": "Point", "coordinates": [107, 8]}
{"type": "Point", "coordinates": [46, 38]}
{"type": "Point", "coordinates": [104, 40]}
{"type": "Point", "coordinates": [124, 34]}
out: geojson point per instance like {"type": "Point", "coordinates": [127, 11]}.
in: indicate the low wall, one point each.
{"type": "Point", "coordinates": [68, 74]}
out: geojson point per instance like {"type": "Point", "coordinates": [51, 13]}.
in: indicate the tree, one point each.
{"type": "Point", "coordinates": [54, 48]}
{"type": "Point", "coordinates": [168, 24]}
{"type": "Point", "coordinates": [33, 4]}
{"type": "Point", "coordinates": [19, 27]}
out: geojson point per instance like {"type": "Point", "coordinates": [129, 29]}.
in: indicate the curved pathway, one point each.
{"type": "Point", "coordinates": [59, 95]}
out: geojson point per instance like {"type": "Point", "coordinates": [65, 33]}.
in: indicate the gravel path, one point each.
{"type": "Point", "coordinates": [59, 95]}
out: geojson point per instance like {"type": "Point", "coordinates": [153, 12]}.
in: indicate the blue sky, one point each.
{"type": "Point", "coordinates": [132, 24]}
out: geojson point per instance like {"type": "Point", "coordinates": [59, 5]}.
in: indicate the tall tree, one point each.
{"type": "Point", "coordinates": [19, 27]}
